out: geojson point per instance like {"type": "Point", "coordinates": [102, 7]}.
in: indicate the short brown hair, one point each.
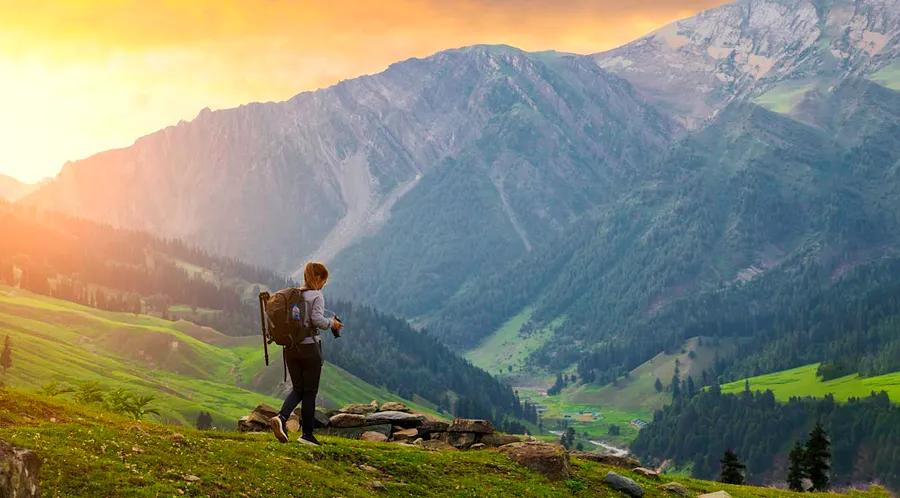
{"type": "Point", "coordinates": [315, 275]}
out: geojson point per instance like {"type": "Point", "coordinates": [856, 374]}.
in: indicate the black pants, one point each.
{"type": "Point", "coordinates": [304, 363]}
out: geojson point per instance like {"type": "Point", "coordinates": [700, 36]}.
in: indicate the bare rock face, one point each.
{"type": "Point", "coordinates": [551, 460]}
{"type": "Point", "coordinates": [373, 436]}
{"type": "Point", "coordinates": [19, 471]}
{"type": "Point", "coordinates": [623, 484]}
{"type": "Point", "coordinates": [471, 425]}
{"type": "Point", "coordinates": [347, 420]}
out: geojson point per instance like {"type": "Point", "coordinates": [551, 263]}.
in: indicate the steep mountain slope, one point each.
{"type": "Point", "coordinates": [12, 189]}
{"type": "Point", "coordinates": [696, 66]}
{"type": "Point", "coordinates": [527, 142]}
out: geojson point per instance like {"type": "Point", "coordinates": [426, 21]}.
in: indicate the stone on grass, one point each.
{"type": "Point", "coordinates": [373, 436]}
{"type": "Point", "coordinates": [394, 406]}
{"type": "Point", "coordinates": [623, 484]}
{"type": "Point", "coordinates": [347, 420]}
{"type": "Point", "coordinates": [471, 425]}
{"type": "Point", "coordinates": [495, 439]}
{"type": "Point", "coordinates": [649, 473]}
{"type": "Point", "coordinates": [717, 494]}
{"type": "Point", "coordinates": [19, 469]}
{"type": "Point", "coordinates": [262, 413]}
{"type": "Point", "coordinates": [434, 445]}
{"type": "Point", "coordinates": [477, 446]}
{"type": "Point", "coordinates": [625, 462]}
{"type": "Point", "coordinates": [377, 486]}
{"type": "Point", "coordinates": [548, 459]}
{"type": "Point", "coordinates": [391, 417]}
{"type": "Point", "coordinates": [359, 408]}
{"type": "Point", "coordinates": [399, 434]}
{"type": "Point", "coordinates": [676, 488]}
{"type": "Point", "coordinates": [355, 432]}
{"type": "Point", "coordinates": [461, 440]}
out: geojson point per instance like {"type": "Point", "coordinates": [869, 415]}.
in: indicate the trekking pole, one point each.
{"type": "Point", "coordinates": [263, 297]}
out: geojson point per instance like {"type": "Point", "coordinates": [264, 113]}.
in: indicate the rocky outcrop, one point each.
{"type": "Point", "coordinates": [402, 419]}
{"type": "Point", "coordinates": [675, 488]}
{"type": "Point", "coordinates": [19, 471]}
{"type": "Point", "coordinates": [394, 406]}
{"type": "Point", "coordinates": [548, 459]}
{"type": "Point", "coordinates": [471, 426]}
{"type": "Point", "coordinates": [623, 484]}
{"type": "Point", "coordinates": [348, 420]}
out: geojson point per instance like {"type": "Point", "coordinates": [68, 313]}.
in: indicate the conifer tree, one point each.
{"type": "Point", "coordinates": [817, 459]}
{"type": "Point", "coordinates": [732, 469]}
{"type": "Point", "coordinates": [6, 356]}
{"type": "Point", "coordinates": [658, 385]}
{"type": "Point", "coordinates": [796, 472]}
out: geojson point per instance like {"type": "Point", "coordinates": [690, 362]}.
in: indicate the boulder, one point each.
{"type": "Point", "coordinates": [262, 413]}
{"type": "Point", "coordinates": [293, 423]}
{"type": "Point", "coordinates": [245, 424]}
{"type": "Point", "coordinates": [430, 426]}
{"type": "Point", "coordinates": [19, 471]}
{"type": "Point", "coordinates": [623, 484]}
{"type": "Point", "coordinates": [548, 459]}
{"type": "Point", "coordinates": [461, 440]}
{"type": "Point", "coordinates": [347, 420]}
{"type": "Point", "coordinates": [394, 406]}
{"type": "Point", "coordinates": [400, 434]}
{"type": "Point", "coordinates": [494, 440]}
{"type": "Point", "coordinates": [717, 494]}
{"type": "Point", "coordinates": [397, 418]}
{"type": "Point", "coordinates": [471, 425]}
{"type": "Point", "coordinates": [477, 446]}
{"type": "Point", "coordinates": [649, 473]}
{"type": "Point", "coordinates": [434, 445]}
{"type": "Point", "coordinates": [373, 436]}
{"type": "Point", "coordinates": [356, 432]}
{"type": "Point", "coordinates": [675, 488]}
{"type": "Point", "coordinates": [625, 462]}
{"type": "Point", "coordinates": [359, 408]}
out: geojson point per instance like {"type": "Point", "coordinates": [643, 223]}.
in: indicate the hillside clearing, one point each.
{"type": "Point", "coordinates": [803, 381]}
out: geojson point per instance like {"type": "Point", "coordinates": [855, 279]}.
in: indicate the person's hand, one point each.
{"type": "Point", "coordinates": [336, 324]}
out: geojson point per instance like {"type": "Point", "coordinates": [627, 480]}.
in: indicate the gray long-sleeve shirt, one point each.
{"type": "Point", "coordinates": [315, 310]}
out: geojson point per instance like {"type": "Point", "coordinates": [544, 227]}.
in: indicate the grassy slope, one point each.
{"type": "Point", "coordinates": [784, 97]}
{"type": "Point", "coordinates": [188, 368]}
{"type": "Point", "coordinates": [888, 76]}
{"type": "Point", "coordinates": [802, 381]}
{"type": "Point", "coordinates": [86, 453]}
{"type": "Point", "coordinates": [631, 397]}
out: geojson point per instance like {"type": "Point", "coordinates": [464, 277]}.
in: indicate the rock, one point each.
{"type": "Point", "coordinates": [404, 434]}
{"type": "Point", "coordinates": [717, 494]}
{"type": "Point", "coordinates": [625, 462]}
{"type": "Point", "coordinates": [247, 425]}
{"type": "Point", "coordinates": [369, 468]}
{"type": "Point", "coordinates": [418, 441]}
{"type": "Point", "coordinates": [623, 484]}
{"type": "Point", "coordinates": [477, 446]}
{"type": "Point", "coordinates": [395, 406]}
{"type": "Point", "coordinates": [359, 409]}
{"type": "Point", "coordinates": [548, 459]}
{"type": "Point", "coordinates": [430, 426]}
{"type": "Point", "coordinates": [435, 445]}
{"type": "Point", "coordinates": [322, 418]}
{"type": "Point", "coordinates": [191, 478]}
{"type": "Point", "coordinates": [471, 425]}
{"type": "Point", "coordinates": [461, 440]}
{"type": "Point", "coordinates": [356, 432]}
{"type": "Point", "coordinates": [650, 473]}
{"type": "Point", "coordinates": [397, 418]}
{"type": "Point", "coordinates": [495, 440]}
{"type": "Point", "coordinates": [262, 413]}
{"type": "Point", "coordinates": [373, 436]}
{"type": "Point", "coordinates": [19, 472]}
{"type": "Point", "coordinates": [177, 438]}
{"type": "Point", "coordinates": [293, 423]}
{"type": "Point", "coordinates": [676, 488]}
{"type": "Point", "coordinates": [347, 420]}
{"type": "Point", "coordinates": [377, 486]}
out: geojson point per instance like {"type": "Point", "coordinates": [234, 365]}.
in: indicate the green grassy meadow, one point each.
{"type": "Point", "coordinates": [802, 381]}
{"type": "Point", "coordinates": [87, 453]}
{"type": "Point", "coordinates": [784, 97]}
{"type": "Point", "coordinates": [888, 76]}
{"type": "Point", "coordinates": [187, 368]}
{"type": "Point", "coordinates": [505, 352]}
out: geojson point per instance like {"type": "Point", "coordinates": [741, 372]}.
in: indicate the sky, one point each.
{"type": "Point", "coordinates": [79, 77]}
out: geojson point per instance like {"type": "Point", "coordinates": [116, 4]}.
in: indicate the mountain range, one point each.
{"type": "Point", "coordinates": [592, 193]}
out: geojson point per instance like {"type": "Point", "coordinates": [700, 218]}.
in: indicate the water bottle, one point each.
{"type": "Point", "coordinates": [295, 313]}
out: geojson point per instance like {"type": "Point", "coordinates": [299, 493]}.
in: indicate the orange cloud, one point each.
{"type": "Point", "coordinates": [77, 77]}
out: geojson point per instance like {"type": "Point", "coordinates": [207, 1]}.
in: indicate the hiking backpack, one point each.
{"type": "Point", "coordinates": [284, 316]}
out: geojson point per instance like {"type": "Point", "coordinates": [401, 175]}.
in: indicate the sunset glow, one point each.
{"type": "Point", "coordinates": [79, 77]}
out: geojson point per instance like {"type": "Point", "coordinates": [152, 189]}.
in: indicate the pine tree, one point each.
{"type": "Point", "coordinates": [732, 469]}
{"type": "Point", "coordinates": [817, 459]}
{"type": "Point", "coordinates": [796, 472]}
{"type": "Point", "coordinates": [6, 356]}
{"type": "Point", "coordinates": [658, 385]}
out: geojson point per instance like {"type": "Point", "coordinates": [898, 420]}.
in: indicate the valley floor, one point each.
{"type": "Point", "coordinates": [88, 453]}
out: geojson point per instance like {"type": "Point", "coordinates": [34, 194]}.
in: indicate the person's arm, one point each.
{"type": "Point", "coordinates": [317, 314]}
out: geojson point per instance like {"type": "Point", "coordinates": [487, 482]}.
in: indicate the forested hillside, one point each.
{"type": "Point", "coordinates": [695, 432]}
{"type": "Point", "coordinates": [119, 270]}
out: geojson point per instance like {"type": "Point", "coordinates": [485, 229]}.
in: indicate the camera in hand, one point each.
{"type": "Point", "coordinates": [335, 332]}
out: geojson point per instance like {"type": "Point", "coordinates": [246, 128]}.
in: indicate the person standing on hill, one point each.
{"type": "Point", "coordinates": [304, 360]}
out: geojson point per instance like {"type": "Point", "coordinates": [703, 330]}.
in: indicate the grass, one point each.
{"type": "Point", "coordinates": [888, 76]}
{"type": "Point", "coordinates": [185, 367]}
{"type": "Point", "coordinates": [802, 381]}
{"type": "Point", "coordinates": [783, 97]}
{"type": "Point", "coordinates": [87, 454]}
{"type": "Point", "coordinates": [506, 351]}
{"type": "Point", "coordinates": [629, 398]}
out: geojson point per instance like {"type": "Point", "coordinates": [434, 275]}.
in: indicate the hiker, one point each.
{"type": "Point", "coordinates": [304, 360]}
